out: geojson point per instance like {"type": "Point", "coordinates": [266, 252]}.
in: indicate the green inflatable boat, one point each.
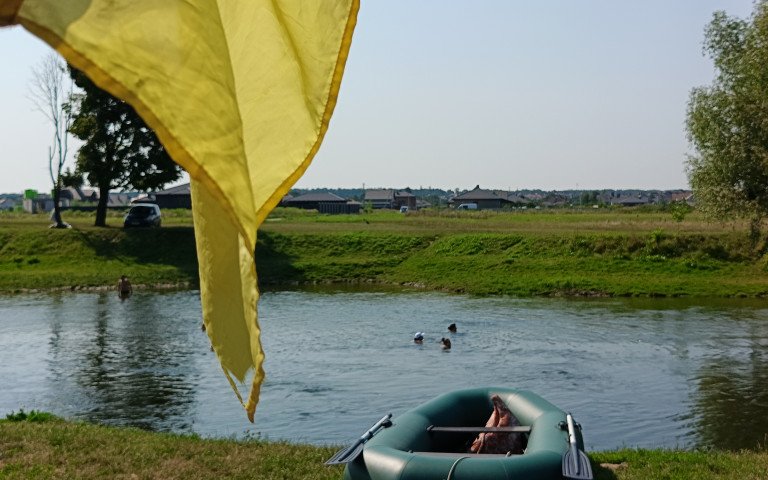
{"type": "Point", "coordinates": [433, 441]}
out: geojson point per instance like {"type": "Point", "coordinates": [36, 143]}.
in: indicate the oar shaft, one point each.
{"type": "Point", "coordinates": [351, 452]}
{"type": "Point", "coordinates": [572, 441]}
{"type": "Point", "coordinates": [376, 426]}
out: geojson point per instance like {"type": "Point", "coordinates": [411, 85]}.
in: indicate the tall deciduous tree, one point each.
{"type": "Point", "coordinates": [120, 151]}
{"type": "Point", "coordinates": [727, 121]}
{"type": "Point", "coordinates": [50, 90]}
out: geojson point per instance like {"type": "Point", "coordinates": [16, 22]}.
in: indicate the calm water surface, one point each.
{"type": "Point", "coordinates": [644, 373]}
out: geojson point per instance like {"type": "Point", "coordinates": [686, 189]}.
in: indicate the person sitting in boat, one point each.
{"type": "Point", "coordinates": [452, 328]}
{"type": "Point", "coordinates": [499, 442]}
{"type": "Point", "coordinates": [446, 343]}
{"type": "Point", "coordinates": [418, 338]}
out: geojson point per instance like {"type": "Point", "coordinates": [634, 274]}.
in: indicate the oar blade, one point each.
{"type": "Point", "coordinates": [576, 466]}
{"type": "Point", "coordinates": [346, 454]}
{"type": "Point", "coordinates": [350, 453]}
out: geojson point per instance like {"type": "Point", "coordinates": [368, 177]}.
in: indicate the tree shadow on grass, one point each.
{"type": "Point", "coordinates": [169, 246]}
{"type": "Point", "coordinates": [175, 247]}
{"type": "Point", "coordinates": [274, 266]}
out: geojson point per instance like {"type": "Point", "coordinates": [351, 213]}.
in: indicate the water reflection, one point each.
{"type": "Point", "coordinates": [640, 373]}
{"type": "Point", "coordinates": [732, 401]}
{"type": "Point", "coordinates": [126, 364]}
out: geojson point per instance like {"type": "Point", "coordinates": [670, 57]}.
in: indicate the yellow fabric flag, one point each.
{"type": "Point", "coordinates": [240, 93]}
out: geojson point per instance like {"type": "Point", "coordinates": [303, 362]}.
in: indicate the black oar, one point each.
{"type": "Point", "coordinates": [575, 462]}
{"type": "Point", "coordinates": [348, 454]}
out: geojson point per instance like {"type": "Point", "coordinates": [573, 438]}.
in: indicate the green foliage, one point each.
{"type": "Point", "coordinates": [727, 121]}
{"type": "Point", "coordinates": [589, 198]}
{"type": "Point", "coordinates": [32, 416]}
{"type": "Point", "coordinates": [679, 210]}
{"type": "Point", "coordinates": [119, 150]}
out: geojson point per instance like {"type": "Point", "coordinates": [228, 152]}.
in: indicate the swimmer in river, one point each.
{"type": "Point", "coordinates": [452, 328]}
{"type": "Point", "coordinates": [418, 338]}
{"type": "Point", "coordinates": [446, 343]}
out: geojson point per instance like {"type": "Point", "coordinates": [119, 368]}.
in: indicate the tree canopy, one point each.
{"type": "Point", "coordinates": [120, 150]}
{"type": "Point", "coordinates": [727, 121]}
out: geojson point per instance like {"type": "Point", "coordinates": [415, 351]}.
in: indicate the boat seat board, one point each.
{"type": "Point", "coordinates": [466, 455]}
{"type": "Point", "coordinates": [518, 429]}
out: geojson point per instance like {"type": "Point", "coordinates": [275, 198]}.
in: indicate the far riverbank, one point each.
{"type": "Point", "coordinates": [564, 253]}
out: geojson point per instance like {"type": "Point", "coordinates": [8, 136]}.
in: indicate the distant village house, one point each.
{"type": "Point", "coordinates": [179, 196]}
{"type": "Point", "coordinates": [323, 202]}
{"type": "Point", "coordinates": [390, 199]}
{"type": "Point", "coordinates": [484, 199]}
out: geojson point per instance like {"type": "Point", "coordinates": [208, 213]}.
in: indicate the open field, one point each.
{"type": "Point", "coordinates": [573, 221]}
{"type": "Point", "coordinates": [52, 448]}
{"type": "Point", "coordinates": [558, 252]}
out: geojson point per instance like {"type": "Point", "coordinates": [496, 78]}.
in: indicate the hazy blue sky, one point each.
{"type": "Point", "coordinates": [552, 94]}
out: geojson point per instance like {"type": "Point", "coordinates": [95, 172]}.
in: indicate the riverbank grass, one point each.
{"type": "Point", "coordinates": [39, 446]}
{"type": "Point", "coordinates": [57, 449]}
{"type": "Point", "coordinates": [563, 253]}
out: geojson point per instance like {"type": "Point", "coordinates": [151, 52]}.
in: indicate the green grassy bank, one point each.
{"type": "Point", "coordinates": [562, 253]}
{"type": "Point", "coordinates": [656, 264]}
{"type": "Point", "coordinates": [41, 258]}
{"type": "Point", "coordinates": [57, 449]}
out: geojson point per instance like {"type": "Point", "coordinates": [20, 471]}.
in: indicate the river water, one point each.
{"type": "Point", "coordinates": [636, 373]}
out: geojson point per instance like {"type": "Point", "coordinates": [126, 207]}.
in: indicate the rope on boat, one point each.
{"type": "Point", "coordinates": [453, 467]}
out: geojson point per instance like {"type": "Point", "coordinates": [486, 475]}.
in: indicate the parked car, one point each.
{"type": "Point", "coordinates": [143, 215]}
{"type": "Point", "coordinates": [467, 206]}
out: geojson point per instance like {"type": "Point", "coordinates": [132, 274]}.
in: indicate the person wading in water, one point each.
{"type": "Point", "coordinates": [124, 288]}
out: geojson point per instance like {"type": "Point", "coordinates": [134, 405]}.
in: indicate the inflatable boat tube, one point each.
{"type": "Point", "coordinates": [409, 449]}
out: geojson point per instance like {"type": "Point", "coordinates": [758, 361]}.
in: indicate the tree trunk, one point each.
{"type": "Point", "coordinates": [57, 222]}
{"type": "Point", "coordinates": [755, 230]}
{"type": "Point", "coordinates": [101, 208]}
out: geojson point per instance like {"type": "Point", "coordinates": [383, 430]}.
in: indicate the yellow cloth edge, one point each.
{"type": "Point", "coordinates": [8, 11]}
{"type": "Point", "coordinates": [255, 337]}
{"type": "Point", "coordinates": [330, 105]}
{"type": "Point", "coordinates": [202, 218]}
{"type": "Point", "coordinates": [106, 82]}
{"type": "Point", "coordinates": [285, 186]}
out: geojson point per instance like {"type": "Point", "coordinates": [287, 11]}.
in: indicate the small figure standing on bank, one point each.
{"type": "Point", "coordinates": [124, 288]}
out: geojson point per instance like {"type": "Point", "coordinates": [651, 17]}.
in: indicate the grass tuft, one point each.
{"type": "Point", "coordinates": [32, 416]}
